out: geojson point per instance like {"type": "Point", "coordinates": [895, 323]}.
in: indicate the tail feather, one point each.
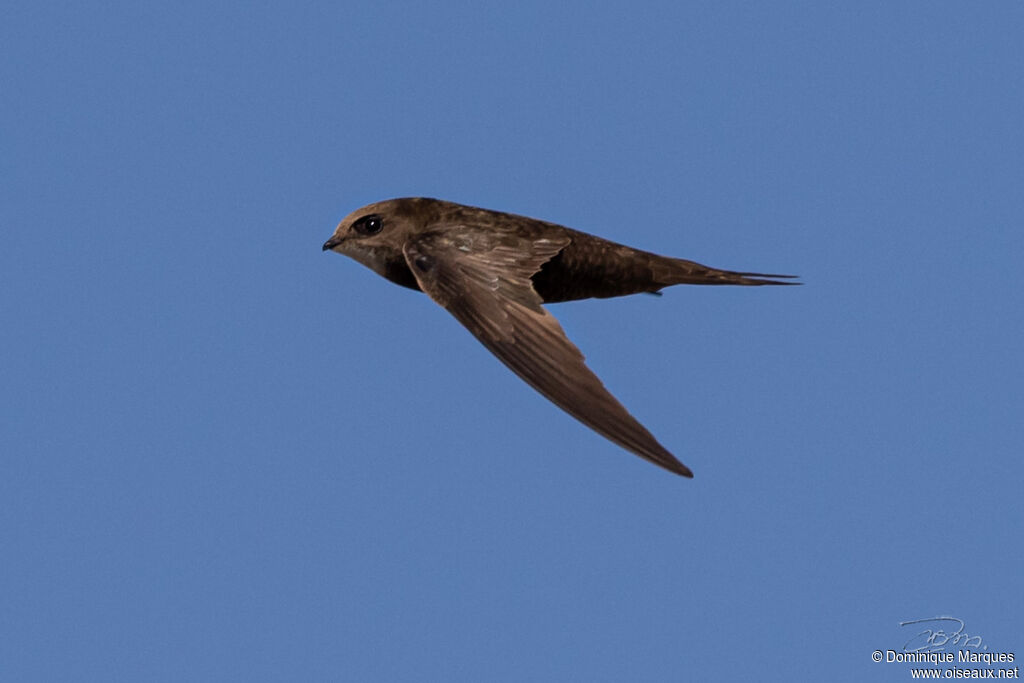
{"type": "Point", "coordinates": [735, 278]}
{"type": "Point", "coordinates": [682, 272]}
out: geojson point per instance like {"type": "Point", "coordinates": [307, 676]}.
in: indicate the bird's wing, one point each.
{"type": "Point", "coordinates": [483, 279]}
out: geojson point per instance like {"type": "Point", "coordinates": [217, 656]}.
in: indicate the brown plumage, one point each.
{"type": "Point", "coordinates": [493, 270]}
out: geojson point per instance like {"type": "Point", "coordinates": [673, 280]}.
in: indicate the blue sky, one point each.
{"type": "Point", "coordinates": [229, 456]}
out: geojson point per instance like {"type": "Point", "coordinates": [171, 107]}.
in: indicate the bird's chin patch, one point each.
{"type": "Point", "coordinates": [370, 257]}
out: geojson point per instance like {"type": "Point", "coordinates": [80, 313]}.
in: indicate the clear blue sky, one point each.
{"type": "Point", "coordinates": [225, 455]}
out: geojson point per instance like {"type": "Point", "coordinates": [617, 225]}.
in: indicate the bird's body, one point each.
{"type": "Point", "coordinates": [492, 271]}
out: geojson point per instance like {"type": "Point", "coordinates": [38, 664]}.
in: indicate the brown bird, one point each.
{"type": "Point", "coordinates": [493, 270]}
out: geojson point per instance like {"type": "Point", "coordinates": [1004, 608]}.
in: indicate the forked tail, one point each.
{"type": "Point", "coordinates": [681, 272]}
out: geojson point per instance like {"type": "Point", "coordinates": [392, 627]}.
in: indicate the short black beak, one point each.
{"type": "Point", "coordinates": [331, 243]}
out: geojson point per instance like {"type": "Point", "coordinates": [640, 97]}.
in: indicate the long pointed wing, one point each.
{"type": "Point", "coordinates": [483, 279]}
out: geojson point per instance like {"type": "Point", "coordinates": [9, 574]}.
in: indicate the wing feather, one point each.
{"type": "Point", "coordinates": [483, 279]}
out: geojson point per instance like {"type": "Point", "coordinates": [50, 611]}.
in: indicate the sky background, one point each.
{"type": "Point", "coordinates": [226, 455]}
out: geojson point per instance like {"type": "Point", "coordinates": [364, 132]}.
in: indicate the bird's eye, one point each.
{"type": "Point", "coordinates": [368, 225]}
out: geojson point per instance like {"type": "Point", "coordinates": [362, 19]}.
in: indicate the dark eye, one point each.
{"type": "Point", "coordinates": [368, 225]}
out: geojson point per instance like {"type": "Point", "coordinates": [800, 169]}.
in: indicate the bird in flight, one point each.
{"type": "Point", "coordinates": [493, 270]}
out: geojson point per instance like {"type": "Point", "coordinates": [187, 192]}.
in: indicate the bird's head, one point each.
{"type": "Point", "coordinates": [375, 234]}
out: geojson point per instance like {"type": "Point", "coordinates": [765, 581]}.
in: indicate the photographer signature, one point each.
{"type": "Point", "coordinates": [934, 637]}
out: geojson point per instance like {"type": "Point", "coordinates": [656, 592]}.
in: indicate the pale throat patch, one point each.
{"type": "Point", "coordinates": [371, 257]}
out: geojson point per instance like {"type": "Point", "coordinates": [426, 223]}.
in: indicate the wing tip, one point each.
{"type": "Point", "coordinates": [681, 469]}
{"type": "Point", "coordinates": [667, 461]}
